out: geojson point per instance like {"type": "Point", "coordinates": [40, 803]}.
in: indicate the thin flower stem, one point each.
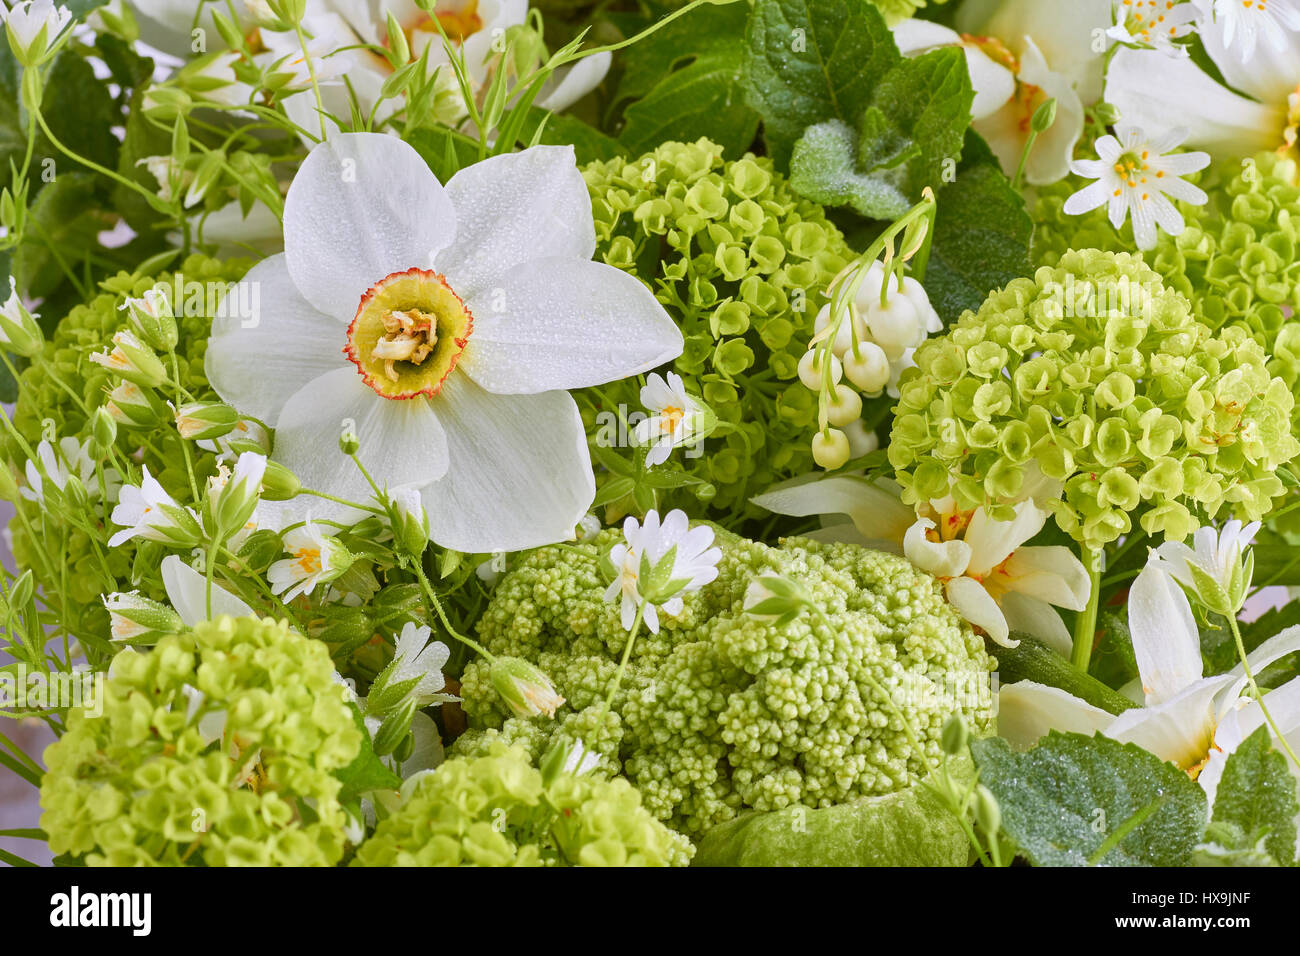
{"type": "Point", "coordinates": [1254, 689]}
{"type": "Point", "coordinates": [91, 164]}
{"type": "Point", "coordinates": [315, 86]}
{"type": "Point", "coordinates": [632, 633]}
{"type": "Point", "coordinates": [185, 446]}
{"type": "Point", "coordinates": [442, 616]}
{"type": "Point", "coordinates": [1085, 625]}
{"type": "Point", "coordinates": [341, 501]}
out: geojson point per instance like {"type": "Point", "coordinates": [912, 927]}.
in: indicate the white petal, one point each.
{"type": "Point", "coordinates": [874, 507]}
{"type": "Point", "coordinates": [944, 559]}
{"type": "Point", "coordinates": [286, 344]}
{"type": "Point", "coordinates": [362, 206]}
{"type": "Point", "coordinates": [570, 84]}
{"type": "Point", "coordinates": [1157, 92]}
{"type": "Point", "coordinates": [1278, 646]}
{"type": "Point", "coordinates": [1064, 34]}
{"type": "Point", "coordinates": [1088, 198]}
{"type": "Point", "coordinates": [187, 592]}
{"type": "Point", "coordinates": [402, 442]}
{"type": "Point", "coordinates": [917, 36]}
{"type": "Point", "coordinates": [513, 208]}
{"type": "Point", "coordinates": [977, 606]}
{"type": "Point", "coordinates": [1166, 641]}
{"type": "Point", "coordinates": [1027, 710]}
{"type": "Point", "coordinates": [992, 541]}
{"type": "Point", "coordinates": [566, 323]}
{"type": "Point", "coordinates": [1037, 618]}
{"type": "Point", "coordinates": [1178, 729]}
{"type": "Point", "coordinates": [519, 474]}
{"type": "Point", "coordinates": [1052, 574]}
{"type": "Point", "coordinates": [1268, 74]}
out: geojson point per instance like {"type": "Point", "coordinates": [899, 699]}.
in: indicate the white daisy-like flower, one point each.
{"type": "Point", "coordinates": [672, 420]}
{"type": "Point", "coordinates": [694, 564]}
{"type": "Point", "coordinates": [1154, 24]}
{"type": "Point", "coordinates": [34, 26]}
{"type": "Point", "coordinates": [416, 656]}
{"type": "Point", "coordinates": [1244, 23]}
{"type": "Point", "coordinates": [446, 323]}
{"type": "Point", "coordinates": [579, 760]}
{"type": "Point", "coordinates": [316, 559]}
{"type": "Point", "coordinates": [148, 512]}
{"type": "Point", "coordinates": [56, 466]}
{"type": "Point", "coordinates": [1135, 177]}
{"type": "Point", "coordinates": [1216, 554]}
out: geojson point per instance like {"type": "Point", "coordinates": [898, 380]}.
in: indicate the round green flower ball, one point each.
{"type": "Point", "coordinates": [1101, 376]}
{"type": "Point", "coordinates": [219, 747]}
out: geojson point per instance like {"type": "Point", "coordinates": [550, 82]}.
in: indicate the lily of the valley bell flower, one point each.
{"type": "Point", "coordinates": [446, 324]}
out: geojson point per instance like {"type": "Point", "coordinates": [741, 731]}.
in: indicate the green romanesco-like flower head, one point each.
{"type": "Point", "coordinates": [498, 810]}
{"type": "Point", "coordinates": [1098, 373]}
{"type": "Point", "coordinates": [741, 263]}
{"type": "Point", "coordinates": [724, 711]}
{"type": "Point", "coordinates": [219, 747]}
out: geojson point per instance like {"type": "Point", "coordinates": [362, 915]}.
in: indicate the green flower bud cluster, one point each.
{"type": "Point", "coordinates": [741, 263]}
{"type": "Point", "coordinates": [1100, 375]}
{"type": "Point", "coordinates": [1238, 260]}
{"type": "Point", "coordinates": [498, 810]}
{"type": "Point", "coordinates": [219, 747]}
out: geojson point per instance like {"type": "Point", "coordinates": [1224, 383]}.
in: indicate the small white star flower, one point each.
{"type": "Point", "coordinates": [316, 559]}
{"type": "Point", "coordinates": [149, 512]}
{"type": "Point", "coordinates": [1153, 24]}
{"type": "Point", "coordinates": [56, 464]}
{"type": "Point", "coordinates": [672, 418]}
{"type": "Point", "coordinates": [1245, 22]}
{"type": "Point", "coordinates": [1135, 176]}
{"type": "Point", "coordinates": [416, 656]}
{"type": "Point", "coordinates": [34, 27]}
{"type": "Point", "coordinates": [644, 577]}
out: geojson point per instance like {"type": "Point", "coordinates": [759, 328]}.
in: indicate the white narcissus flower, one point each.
{"type": "Point", "coordinates": [1258, 110]}
{"type": "Point", "coordinates": [672, 419]}
{"type": "Point", "coordinates": [56, 466]}
{"type": "Point", "coordinates": [416, 656]}
{"type": "Point", "coordinates": [479, 307]}
{"type": "Point", "coordinates": [694, 564]}
{"type": "Point", "coordinates": [1135, 177]}
{"type": "Point", "coordinates": [1189, 719]}
{"type": "Point", "coordinates": [316, 559]}
{"type": "Point", "coordinates": [1215, 554]}
{"type": "Point", "coordinates": [148, 512]}
{"type": "Point", "coordinates": [34, 26]}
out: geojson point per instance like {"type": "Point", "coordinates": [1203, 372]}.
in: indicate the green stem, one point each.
{"type": "Point", "coordinates": [315, 86]}
{"type": "Point", "coordinates": [1085, 625]}
{"type": "Point", "coordinates": [1254, 689]}
{"type": "Point", "coordinates": [91, 164]}
{"type": "Point", "coordinates": [622, 664]}
{"type": "Point", "coordinates": [442, 616]}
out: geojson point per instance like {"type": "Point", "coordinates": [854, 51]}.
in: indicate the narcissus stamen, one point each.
{"type": "Point", "coordinates": [409, 331]}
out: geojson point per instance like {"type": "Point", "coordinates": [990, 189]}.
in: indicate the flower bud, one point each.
{"type": "Point", "coordinates": [152, 319]}
{"type": "Point", "coordinates": [525, 689]}
{"type": "Point", "coordinates": [103, 433]}
{"type": "Point", "coordinates": [205, 420]}
{"type": "Point", "coordinates": [21, 591]}
{"type": "Point", "coordinates": [342, 625]}
{"type": "Point", "coordinates": [232, 500]}
{"type": "Point", "coordinates": [954, 735]}
{"type": "Point", "coordinates": [395, 728]}
{"type": "Point", "coordinates": [411, 529]}
{"type": "Point", "coordinates": [139, 620]}
{"type": "Point", "coordinates": [774, 599]}
{"type": "Point", "coordinates": [132, 360]}
{"type": "Point", "coordinates": [135, 407]}
{"type": "Point", "coordinates": [74, 494]}
{"type": "Point", "coordinates": [987, 812]}
{"type": "Point", "coordinates": [349, 443]}
{"type": "Point", "coordinates": [830, 448]}
{"type": "Point", "coordinates": [279, 483]}
{"type": "Point", "coordinates": [19, 332]}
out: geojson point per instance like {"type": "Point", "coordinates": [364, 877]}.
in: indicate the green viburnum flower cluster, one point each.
{"type": "Point", "coordinates": [741, 262]}
{"type": "Point", "coordinates": [1101, 376]}
{"type": "Point", "coordinates": [1238, 260]}
{"type": "Point", "coordinates": [499, 810]}
{"type": "Point", "coordinates": [219, 747]}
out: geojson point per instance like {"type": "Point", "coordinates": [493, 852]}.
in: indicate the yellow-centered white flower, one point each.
{"type": "Point", "coordinates": [672, 416]}
{"type": "Point", "coordinates": [1134, 177]}
{"type": "Point", "coordinates": [445, 325]}
{"type": "Point", "coordinates": [315, 558]}
{"type": "Point", "coordinates": [694, 564]}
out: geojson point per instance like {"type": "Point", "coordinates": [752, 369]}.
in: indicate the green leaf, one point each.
{"type": "Point", "coordinates": [446, 151]}
{"type": "Point", "coordinates": [808, 61]}
{"type": "Point", "coordinates": [81, 113]}
{"type": "Point", "coordinates": [702, 99]}
{"type": "Point", "coordinates": [67, 217]}
{"type": "Point", "coordinates": [366, 772]}
{"type": "Point", "coordinates": [1276, 564]}
{"type": "Point", "coordinates": [589, 143]}
{"type": "Point", "coordinates": [907, 828]}
{"type": "Point", "coordinates": [1257, 794]}
{"type": "Point", "coordinates": [824, 169]}
{"type": "Point", "coordinates": [1071, 796]}
{"type": "Point", "coordinates": [981, 234]}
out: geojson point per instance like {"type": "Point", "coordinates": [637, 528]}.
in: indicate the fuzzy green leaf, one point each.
{"type": "Point", "coordinates": [1067, 798]}
{"type": "Point", "coordinates": [823, 168]}
{"type": "Point", "coordinates": [1257, 794]}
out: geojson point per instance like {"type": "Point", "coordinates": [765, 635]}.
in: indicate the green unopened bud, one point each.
{"type": "Point", "coordinates": [74, 494]}
{"type": "Point", "coordinates": [405, 749]}
{"type": "Point", "coordinates": [228, 30]}
{"type": "Point", "coordinates": [279, 483]}
{"type": "Point", "coordinates": [19, 332]}
{"type": "Point", "coordinates": [165, 103]}
{"type": "Point", "coordinates": [395, 727]}
{"type": "Point", "coordinates": [103, 433]}
{"type": "Point", "coordinates": [524, 689]}
{"type": "Point", "coordinates": [152, 319]}
{"type": "Point", "coordinates": [117, 18]}
{"type": "Point", "coordinates": [205, 420]}
{"type": "Point", "coordinates": [411, 527]}
{"type": "Point", "coordinates": [21, 591]}
{"type": "Point", "coordinates": [260, 548]}
{"type": "Point", "coordinates": [1044, 116]}
{"type": "Point", "coordinates": [349, 443]}
{"type": "Point", "coordinates": [132, 360]}
{"type": "Point", "coordinates": [343, 625]}
{"type": "Point", "coordinates": [987, 812]}
{"type": "Point", "coordinates": [8, 486]}
{"type": "Point", "coordinates": [954, 735]}
{"type": "Point", "coordinates": [136, 619]}
{"type": "Point", "coordinates": [135, 407]}
{"type": "Point", "coordinates": [399, 49]}
{"type": "Point", "coordinates": [233, 498]}
{"type": "Point", "coordinates": [775, 599]}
